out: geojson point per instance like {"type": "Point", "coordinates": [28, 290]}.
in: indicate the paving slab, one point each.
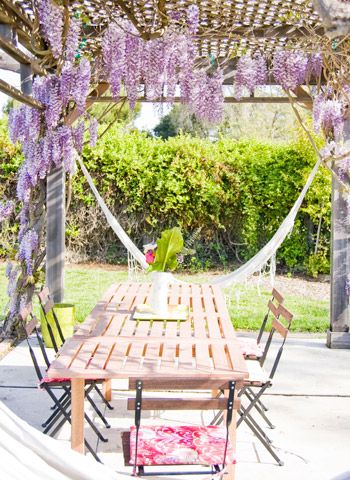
{"type": "Point", "coordinates": [309, 404]}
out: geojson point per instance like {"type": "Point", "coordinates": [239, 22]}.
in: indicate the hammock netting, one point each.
{"type": "Point", "coordinates": [266, 256]}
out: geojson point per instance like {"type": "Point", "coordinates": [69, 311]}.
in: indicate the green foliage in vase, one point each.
{"type": "Point", "coordinates": [169, 245]}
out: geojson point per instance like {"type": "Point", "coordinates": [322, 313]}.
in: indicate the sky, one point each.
{"type": "Point", "coordinates": [148, 118]}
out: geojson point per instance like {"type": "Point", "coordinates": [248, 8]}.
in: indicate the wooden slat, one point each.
{"type": "Point", "coordinates": [199, 382]}
{"type": "Point", "coordinates": [134, 356]}
{"type": "Point", "coordinates": [281, 329]}
{"type": "Point", "coordinates": [171, 327]}
{"type": "Point", "coordinates": [286, 314]}
{"type": "Point", "coordinates": [211, 313]}
{"type": "Point", "coordinates": [137, 294]}
{"type": "Point", "coordinates": [157, 328]}
{"type": "Point", "coordinates": [81, 361]}
{"type": "Point", "coordinates": [185, 328]}
{"type": "Point", "coordinates": [182, 403]}
{"type": "Point", "coordinates": [185, 356]}
{"type": "Point", "coordinates": [168, 357]}
{"type": "Point", "coordinates": [116, 360]}
{"type": "Point", "coordinates": [225, 320]}
{"type": "Point", "coordinates": [277, 296]}
{"type": "Point", "coordinates": [101, 356]}
{"type": "Point", "coordinates": [151, 359]}
{"type": "Point", "coordinates": [198, 313]}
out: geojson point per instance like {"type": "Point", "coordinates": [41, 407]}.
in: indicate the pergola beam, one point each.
{"type": "Point", "coordinates": [16, 94]}
{"type": "Point", "coordinates": [20, 56]}
{"type": "Point", "coordinates": [285, 100]}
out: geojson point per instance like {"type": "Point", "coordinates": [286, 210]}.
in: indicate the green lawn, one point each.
{"type": "Point", "coordinates": [84, 286]}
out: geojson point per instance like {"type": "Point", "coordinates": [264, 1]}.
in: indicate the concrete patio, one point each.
{"type": "Point", "coordinates": [309, 405]}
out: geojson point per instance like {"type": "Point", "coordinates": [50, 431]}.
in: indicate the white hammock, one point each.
{"type": "Point", "coordinates": [255, 264]}
{"type": "Point", "coordinates": [113, 222]}
{"type": "Point", "coordinates": [28, 454]}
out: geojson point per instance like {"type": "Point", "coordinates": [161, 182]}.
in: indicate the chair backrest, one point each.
{"type": "Point", "coordinates": [272, 306]}
{"type": "Point", "coordinates": [280, 325]}
{"type": "Point", "coordinates": [180, 384]}
{"type": "Point", "coordinates": [30, 325]}
{"type": "Point", "coordinates": [47, 306]}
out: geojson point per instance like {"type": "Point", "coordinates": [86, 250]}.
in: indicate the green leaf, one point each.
{"type": "Point", "coordinates": [168, 246]}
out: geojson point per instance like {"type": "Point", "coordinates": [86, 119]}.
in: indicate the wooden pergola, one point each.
{"type": "Point", "coordinates": [227, 29]}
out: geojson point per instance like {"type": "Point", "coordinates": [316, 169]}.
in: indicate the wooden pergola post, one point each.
{"type": "Point", "coordinates": [338, 335]}
{"type": "Point", "coordinates": [55, 233]}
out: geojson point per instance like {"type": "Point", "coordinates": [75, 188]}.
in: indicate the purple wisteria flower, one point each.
{"type": "Point", "coordinates": [206, 96]}
{"type": "Point", "coordinates": [28, 245]}
{"type": "Point", "coordinates": [51, 22]}
{"type": "Point", "coordinates": [250, 73]}
{"type": "Point", "coordinates": [192, 19]}
{"type": "Point", "coordinates": [93, 132]}
{"type": "Point", "coordinates": [82, 83]}
{"type": "Point", "coordinates": [113, 54]}
{"type": "Point", "coordinates": [328, 115]}
{"type": "Point", "coordinates": [6, 208]}
{"type": "Point", "coordinates": [78, 136]}
{"type": "Point", "coordinates": [290, 68]}
{"type": "Point", "coordinates": [72, 40]}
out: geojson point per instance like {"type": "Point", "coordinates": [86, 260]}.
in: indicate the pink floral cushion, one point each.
{"type": "Point", "coordinates": [59, 380]}
{"type": "Point", "coordinates": [250, 348]}
{"type": "Point", "coordinates": [53, 380]}
{"type": "Point", "coordinates": [180, 445]}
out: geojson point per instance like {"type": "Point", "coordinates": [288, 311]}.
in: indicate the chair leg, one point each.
{"type": "Point", "coordinates": [262, 405]}
{"type": "Point", "coordinates": [218, 419]}
{"type": "Point", "coordinates": [98, 411]}
{"type": "Point", "coordinates": [259, 409]}
{"type": "Point", "coordinates": [255, 423]}
{"type": "Point", "coordinates": [252, 403]}
{"type": "Point", "coordinates": [95, 429]}
{"type": "Point", "coordinates": [68, 419]}
{"type": "Point", "coordinates": [264, 442]}
{"type": "Point", "coordinates": [106, 402]}
{"type": "Point", "coordinates": [56, 413]}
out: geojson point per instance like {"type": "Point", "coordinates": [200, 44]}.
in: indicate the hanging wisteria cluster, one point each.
{"type": "Point", "coordinates": [328, 116]}
{"type": "Point", "coordinates": [46, 142]}
{"type": "Point", "coordinates": [51, 22]}
{"type": "Point", "coordinates": [6, 208]}
{"type": "Point", "coordinates": [291, 69]}
{"type": "Point", "coordinates": [251, 72]}
{"type": "Point", "coordinates": [156, 67]}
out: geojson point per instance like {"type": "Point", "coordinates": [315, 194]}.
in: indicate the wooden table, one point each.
{"type": "Point", "coordinates": [111, 344]}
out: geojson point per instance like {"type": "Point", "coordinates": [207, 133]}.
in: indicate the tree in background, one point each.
{"type": "Point", "coordinates": [261, 122]}
{"type": "Point", "coordinates": [180, 120]}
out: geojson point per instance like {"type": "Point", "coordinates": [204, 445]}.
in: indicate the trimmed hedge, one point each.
{"type": "Point", "coordinates": [231, 196]}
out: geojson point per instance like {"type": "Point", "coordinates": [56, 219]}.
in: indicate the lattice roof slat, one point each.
{"type": "Point", "coordinates": [226, 27]}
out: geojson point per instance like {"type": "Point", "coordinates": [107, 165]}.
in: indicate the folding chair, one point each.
{"type": "Point", "coordinates": [252, 348]}
{"type": "Point", "coordinates": [62, 403]}
{"type": "Point", "coordinates": [160, 445]}
{"type": "Point", "coordinates": [47, 306]}
{"type": "Point", "coordinates": [259, 380]}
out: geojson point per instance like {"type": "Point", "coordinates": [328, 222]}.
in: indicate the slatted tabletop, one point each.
{"type": "Point", "coordinates": [111, 344]}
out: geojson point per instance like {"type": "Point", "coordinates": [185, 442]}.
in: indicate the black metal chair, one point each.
{"type": "Point", "coordinates": [47, 306]}
{"type": "Point", "coordinates": [178, 445]}
{"type": "Point", "coordinates": [253, 347]}
{"type": "Point", "coordinates": [59, 390]}
{"type": "Point", "coordinates": [259, 380]}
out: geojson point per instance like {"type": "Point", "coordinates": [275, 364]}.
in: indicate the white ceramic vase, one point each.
{"type": "Point", "coordinates": [159, 294]}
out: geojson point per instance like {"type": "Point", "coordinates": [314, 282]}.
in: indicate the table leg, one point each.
{"type": "Point", "coordinates": [77, 414]}
{"type": "Point", "coordinates": [107, 390]}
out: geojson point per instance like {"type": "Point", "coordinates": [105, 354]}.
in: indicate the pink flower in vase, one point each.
{"type": "Point", "coordinates": [150, 256]}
